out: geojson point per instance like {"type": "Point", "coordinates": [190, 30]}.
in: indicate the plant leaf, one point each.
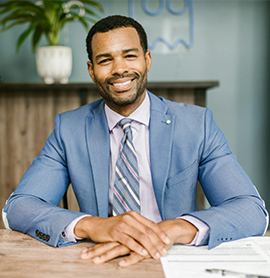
{"type": "Point", "coordinates": [12, 4]}
{"type": "Point", "coordinates": [93, 3]}
{"type": "Point", "coordinates": [36, 37]}
{"type": "Point", "coordinates": [91, 12]}
{"type": "Point", "coordinates": [13, 24]}
{"type": "Point", "coordinates": [17, 16]}
{"type": "Point", "coordinates": [24, 35]}
{"type": "Point", "coordinates": [48, 18]}
{"type": "Point", "coordinates": [90, 20]}
{"type": "Point", "coordinates": [84, 23]}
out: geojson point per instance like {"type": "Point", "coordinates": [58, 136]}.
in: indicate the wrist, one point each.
{"type": "Point", "coordinates": [179, 230]}
{"type": "Point", "coordinates": [82, 228]}
{"type": "Point", "coordinates": [186, 231]}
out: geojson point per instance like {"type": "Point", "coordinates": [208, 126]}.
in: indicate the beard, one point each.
{"type": "Point", "coordinates": [104, 89]}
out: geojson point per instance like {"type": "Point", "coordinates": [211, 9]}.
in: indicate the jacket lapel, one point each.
{"type": "Point", "coordinates": [98, 142]}
{"type": "Point", "coordinates": [160, 139]}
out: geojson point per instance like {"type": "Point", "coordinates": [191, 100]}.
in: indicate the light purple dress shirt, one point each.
{"type": "Point", "coordinates": [140, 131]}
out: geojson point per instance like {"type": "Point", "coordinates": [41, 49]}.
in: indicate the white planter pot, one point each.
{"type": "Point", "coordinates": [54, 63]}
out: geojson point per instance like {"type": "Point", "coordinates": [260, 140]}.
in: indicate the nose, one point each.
{"type": "Point", "coordinates": [119, 66]}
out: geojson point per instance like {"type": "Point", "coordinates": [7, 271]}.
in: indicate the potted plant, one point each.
{"type": "Point", "coordinates": [47, 18]}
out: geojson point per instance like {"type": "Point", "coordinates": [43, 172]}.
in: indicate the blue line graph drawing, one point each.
{"type": "Point", "coordinates": [188, 6]}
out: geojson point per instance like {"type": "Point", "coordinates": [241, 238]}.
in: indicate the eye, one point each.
{"type": "Point", "coordinates": [104, 61]}
{"type": "Point", "coordinates": [130, 56]}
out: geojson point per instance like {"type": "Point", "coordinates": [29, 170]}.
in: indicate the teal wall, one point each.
{"type": "Point", "coordinates": [231, 45]}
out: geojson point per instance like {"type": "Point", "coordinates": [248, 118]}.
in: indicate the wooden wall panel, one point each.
{"type": "Point", "coordinates": [26, 121]}
{"type": "Point", "coordinates": [27, 113]}
{"type": "Point", "coordinates": [184, 95]}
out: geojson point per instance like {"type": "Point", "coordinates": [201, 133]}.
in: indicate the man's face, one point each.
{"type": "Point", "coordinates": [119, 68]}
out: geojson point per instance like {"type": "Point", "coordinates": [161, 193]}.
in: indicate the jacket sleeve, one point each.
{"type": "Point", "coordinates": [32, 208]}
{"type": "Point", "coordinates": [236, 210]}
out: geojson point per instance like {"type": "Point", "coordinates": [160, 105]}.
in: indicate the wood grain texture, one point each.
{"type": "Point", "coordinates": [22, 256]}
{"type": "Point", "coordinates": [27, 113]}
{"type": "Point", "coordinates": [26, 121]}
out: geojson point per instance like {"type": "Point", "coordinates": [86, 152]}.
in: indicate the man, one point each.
{"type": "Point", "coordinates": [172, 146]}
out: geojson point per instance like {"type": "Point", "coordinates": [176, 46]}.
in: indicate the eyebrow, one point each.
{"type": "Point", "coordinates": [130, 50]}
{"type": "Point", "coordinates": [106, 55]}
{"type": "Point", "coordinates": [103, 55]}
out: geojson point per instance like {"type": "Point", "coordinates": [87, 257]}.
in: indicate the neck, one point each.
{"type": "Point", "coordinates": [126, 110]}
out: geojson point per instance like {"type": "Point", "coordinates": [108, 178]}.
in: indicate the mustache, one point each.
{"type": "Point", "coordinates": [119, 76]}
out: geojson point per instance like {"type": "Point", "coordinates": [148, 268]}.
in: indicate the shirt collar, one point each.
{"type": "Point", "coordinates": [141, 114]}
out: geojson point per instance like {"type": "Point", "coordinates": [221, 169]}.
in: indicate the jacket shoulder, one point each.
{"type": "Point", "coordinates": [87, 110]}
{"type": "Point", "coordinates": [177, 108]}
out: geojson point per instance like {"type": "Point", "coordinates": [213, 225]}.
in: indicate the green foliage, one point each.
{"type": "Point", "coordinates": [46, 17]}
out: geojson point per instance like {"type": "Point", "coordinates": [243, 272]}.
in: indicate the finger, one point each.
{"type": "Point", "coordinates": [143, 244]}
{"type": "Point", "coordinates": [96, 250]}
{"type": "Point", "coordinates": [130, 241]}
{"type": "Point", "coordinates": [117, 251]}
{"type": "Point", "coordinates": [144, 232]}
{"type": "Point", "coordinates": [152, 227]}
{"type": "Point", "coordinates": [136, 240]}
{"type": "Point", "coordinates": [132, 259]}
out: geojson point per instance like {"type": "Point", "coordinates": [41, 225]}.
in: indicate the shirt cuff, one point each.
{"type": "Point", "coordinates": [203, 229]}
{"type": "Point", "coordinates": [68, 232]}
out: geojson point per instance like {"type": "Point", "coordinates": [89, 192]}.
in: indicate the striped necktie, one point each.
{"type": "Point", "coordinates": [126, 186]}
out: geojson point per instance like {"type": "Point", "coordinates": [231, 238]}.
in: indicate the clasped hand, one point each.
{"type": "Point", "coordinates": [130, 233]}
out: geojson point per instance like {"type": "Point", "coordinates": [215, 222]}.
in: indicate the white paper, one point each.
{"type": "Point", "coordinates": [250, 256]}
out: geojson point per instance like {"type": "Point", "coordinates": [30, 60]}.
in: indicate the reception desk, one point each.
{"type": "Point", "coordinates": [27, 112]}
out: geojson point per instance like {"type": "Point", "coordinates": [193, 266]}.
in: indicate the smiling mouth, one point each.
{"type": "Point", "coordinates": [125, 78]}
{"type": "Point", "coordinates": [119, 85]}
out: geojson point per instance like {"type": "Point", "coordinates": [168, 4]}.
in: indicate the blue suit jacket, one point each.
{"type": "Point", "coordinates": [191, 147]}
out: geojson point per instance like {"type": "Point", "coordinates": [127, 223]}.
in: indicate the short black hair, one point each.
{"type": "Point", "coordinates": [114, 22]}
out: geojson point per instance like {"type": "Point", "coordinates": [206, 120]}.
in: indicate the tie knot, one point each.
{"type": "Point", "coordinates": [125, 124]}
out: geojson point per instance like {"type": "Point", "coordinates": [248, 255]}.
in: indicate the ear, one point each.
{"type": "Point", "coordinates": [148, 59]}
{"type": "Point", "coordinates": [91, 70]}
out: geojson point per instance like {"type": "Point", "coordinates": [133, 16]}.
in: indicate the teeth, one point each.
{"type": "Point", "coordinates": [121, 84]}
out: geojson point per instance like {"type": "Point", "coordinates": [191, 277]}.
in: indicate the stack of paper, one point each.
{"type": "Point", "coordinates": [247, 256]}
